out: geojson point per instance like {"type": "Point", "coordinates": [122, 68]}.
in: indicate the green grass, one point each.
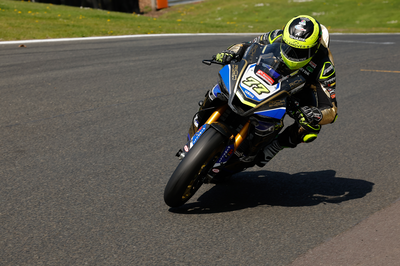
{"type": "Point", "coordinates": [21, 20]}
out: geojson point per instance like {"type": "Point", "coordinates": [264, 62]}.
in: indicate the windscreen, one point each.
{"type": "Point", "coordinates": [270, 65]}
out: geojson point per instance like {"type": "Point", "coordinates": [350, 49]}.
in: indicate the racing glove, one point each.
{"type": "Point", "coordinates": [309, 117]}
{"type": "Point", "coordinates": [225, 57]}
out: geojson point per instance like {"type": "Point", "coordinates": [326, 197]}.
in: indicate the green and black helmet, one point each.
{"type": "Point", "coordinates": [300, 41]}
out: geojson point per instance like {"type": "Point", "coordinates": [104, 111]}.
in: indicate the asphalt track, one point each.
{"type": "Point", "coordinates": [88, 133]}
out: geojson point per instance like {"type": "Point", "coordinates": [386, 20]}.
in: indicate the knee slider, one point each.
{"type": "Point", "coordinates": [309, 134]}
{"type": "Point", "coordinates": [309, 137]}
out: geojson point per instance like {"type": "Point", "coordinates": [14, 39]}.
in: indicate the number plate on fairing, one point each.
{"type": "Point", "coordinates": [255, 86]}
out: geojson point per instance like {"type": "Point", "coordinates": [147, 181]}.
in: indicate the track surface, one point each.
{"type": "Point", "coordinates": [88, 133]}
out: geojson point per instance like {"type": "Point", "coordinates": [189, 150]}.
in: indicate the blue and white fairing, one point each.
{"type": "Point", "coordinates": [257, 85]}
{"type": "Point", "coordinates": [253, 92]}
{"type": "Point", "coordinates": [260, 83]}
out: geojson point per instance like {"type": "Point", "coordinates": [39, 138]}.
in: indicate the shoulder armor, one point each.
{"type": "Point", "coordinates": [273, 36]}
{"type": "Point", "coordinates": [327, 73]}
{"type": "Point", "coordinates": [325, 36]}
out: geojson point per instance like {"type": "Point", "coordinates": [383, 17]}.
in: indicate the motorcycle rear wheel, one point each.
{"type": "Point", "coordinates": [189, 175]}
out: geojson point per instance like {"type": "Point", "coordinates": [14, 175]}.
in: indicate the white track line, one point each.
{"type": "Point", "coordinates": [363, 42]}
{"type": "Point", "coordinates": [124, 37]}
{"type": "Point", "coordinates": [177, 35]}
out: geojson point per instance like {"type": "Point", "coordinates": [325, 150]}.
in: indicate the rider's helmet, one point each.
{"type": "Point", "coordinates": [300, 41]}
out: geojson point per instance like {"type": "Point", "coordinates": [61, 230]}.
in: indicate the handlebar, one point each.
{"type": "Point", "coordinates": [209, 62]}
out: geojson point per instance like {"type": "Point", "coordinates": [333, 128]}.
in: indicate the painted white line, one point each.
{"type": "Point", "coordinates": [365, 33]}
{"type": "Point", "coordinates": [174, 35]}
{"type": "Point", "coordinates": [124, 37]}
{"type": "Point", "coordinates": [363, 42]}
{"type": "Point", "coordinates": [386, 71]}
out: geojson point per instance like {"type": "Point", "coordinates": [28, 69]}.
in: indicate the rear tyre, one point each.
{"type": "Point", "coordinates": [190, 173]}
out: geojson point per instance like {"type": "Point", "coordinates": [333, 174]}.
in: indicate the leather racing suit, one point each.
{"type": "Point", "coordinates": [319, 92]}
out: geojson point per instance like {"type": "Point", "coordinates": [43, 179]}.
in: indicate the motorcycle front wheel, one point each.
{"type": "Point", "coordinates": [189, 175]}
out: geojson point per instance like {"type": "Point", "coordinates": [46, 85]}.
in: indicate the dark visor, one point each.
{"type": "Point", "coordinates": [297, 54]}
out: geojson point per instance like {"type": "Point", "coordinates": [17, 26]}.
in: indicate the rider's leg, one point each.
{"type": "Point", "coordinates": [289, 138]}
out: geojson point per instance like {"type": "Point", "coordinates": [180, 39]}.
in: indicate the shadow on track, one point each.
{"type": "Point", "coordinates": [251, 189]}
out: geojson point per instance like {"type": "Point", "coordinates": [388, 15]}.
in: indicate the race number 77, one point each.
{"type": "Point", "coordinates": [256, 85]}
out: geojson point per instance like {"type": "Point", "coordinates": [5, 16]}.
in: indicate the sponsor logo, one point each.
{"type": "Point", "coordinates": [198, 134]}
{"type": "Point", "coordinates": [328, 69]}
{"type": "Point", "coordinates": [295, 83]}
{"type": "Point", "coordinates": [226, 154]}
{"type": "Point", "coordinates": [332, 80]}
{"type": "Point", "coordinates": [277, 103]}
{"type": "Point", "coordinates": [305, 71]}
{"type": "Point", "coordinates": [265, 76]}
{"type": "Point", "coordinates": [332, 93]}
{"type": "Point", "coordinates": [186, 148]}
{"type": "Point", "coordinates": [253, 51]}
{"type": "Point", "coordinates": [235, 72]}
{"type": "Point", "coordinates": [297, 38]}
{"type": "Point", "coordinates": [296, 44]}
{"type": "Point", "coordinates": [215, 170]}
{"type": "Point", "coordinates": [249, 94]}
{"type": "Point", "coordinates": [300, 27]}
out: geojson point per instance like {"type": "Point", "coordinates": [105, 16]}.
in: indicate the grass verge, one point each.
{"type": "Point", "coordinates": [21, 20]}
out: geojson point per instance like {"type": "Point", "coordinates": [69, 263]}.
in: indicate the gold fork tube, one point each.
{"type": "Point", "coordinates": [214, 117]}
{"type": "Point", "coordinates": [242, 135]}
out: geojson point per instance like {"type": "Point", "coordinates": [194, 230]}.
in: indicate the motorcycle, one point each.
{"type": "Point", "coordinates": [255, 93]}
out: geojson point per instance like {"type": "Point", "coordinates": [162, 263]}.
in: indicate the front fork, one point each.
{"type": "Point", "coordinates": [238, 139]}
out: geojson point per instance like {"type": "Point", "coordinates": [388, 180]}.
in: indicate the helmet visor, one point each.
{"type": "Point", "coordinates": [297, 54]}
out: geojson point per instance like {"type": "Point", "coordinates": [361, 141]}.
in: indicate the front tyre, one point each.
{"type": "Point", "coordinates": [189, 175]}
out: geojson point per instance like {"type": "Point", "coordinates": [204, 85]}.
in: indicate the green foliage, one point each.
{"type": "Point", "coordinates": [26, 20]}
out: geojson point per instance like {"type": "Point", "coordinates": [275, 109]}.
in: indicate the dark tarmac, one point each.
{"type": "Point", "coordinates": [374, 241]}
{"type": "Point", "coordinates": [88, 133]}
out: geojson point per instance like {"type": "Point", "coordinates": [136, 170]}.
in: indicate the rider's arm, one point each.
{"type": "Point", "coordinates": [325, 90]}
{"type": "Point", "coordinates": [269, 37]}
{"type": "Point", "coordinates": [239, 49]}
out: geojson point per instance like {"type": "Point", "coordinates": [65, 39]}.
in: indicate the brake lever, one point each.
{"type": "Point", "coordinates": [212, 61]}
{"type": "Point", "coordinates": [207, 62]}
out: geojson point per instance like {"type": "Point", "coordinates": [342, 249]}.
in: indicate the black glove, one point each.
{"type": "Point", "coordinates": [309, 116]}
{"type": "Point", "coordinates": [225, 57]}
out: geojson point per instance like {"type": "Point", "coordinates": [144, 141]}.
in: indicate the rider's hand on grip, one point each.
{"type": "Point", "coordinates": [225, 57]}
{"type": "Point", "coordinates": [309, 115]}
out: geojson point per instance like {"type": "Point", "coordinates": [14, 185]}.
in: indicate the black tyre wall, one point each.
{"type": "Point", "coordinates": [209, 144]}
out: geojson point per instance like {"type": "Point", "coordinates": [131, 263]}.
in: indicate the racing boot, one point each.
{"type": "Point", "coordinates": [289, 138]}
{"type": "Point", "coordinates": [268, 153]}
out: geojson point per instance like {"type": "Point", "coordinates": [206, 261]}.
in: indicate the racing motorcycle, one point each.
{"type": "Point", "coordinates": [255, 93]}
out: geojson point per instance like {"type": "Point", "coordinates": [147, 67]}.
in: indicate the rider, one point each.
{"type": "Point", "coordinates": [304, 46]}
